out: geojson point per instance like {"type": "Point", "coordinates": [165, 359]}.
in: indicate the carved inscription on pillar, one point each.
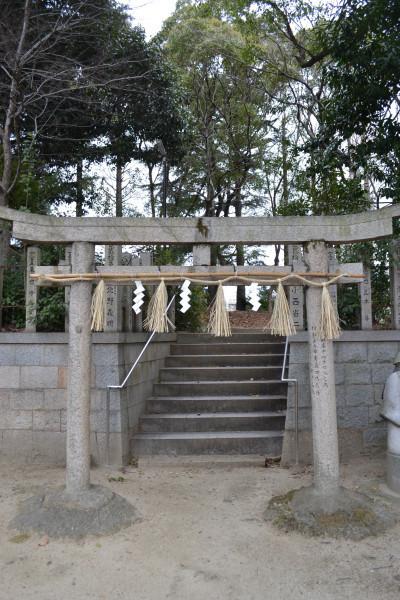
{"type": "Point", "coordinates": [333, 265]}
{"type": "Point", "coordinates": [319, 362]}
{"type": "Point", "coordinates": [294, 253]}
{"type": "Point", "coordinates": [296, 303]}
{"type": "Point", "coordinates": [201, 255]}
{"type": "Point", "coordinates": [113, 317]}
{"type": "Point", "coordinates": [366, 301]}
{"type": "Point", "coordinates": [32, 261]}
{"type": "Point", "coordinates": [296, 292]}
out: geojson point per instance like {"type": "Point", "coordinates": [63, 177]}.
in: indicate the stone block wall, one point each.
{"type": "Point", "coordinates": [363, 361]}
{"type": "Point", "coordinates": [33, 381]}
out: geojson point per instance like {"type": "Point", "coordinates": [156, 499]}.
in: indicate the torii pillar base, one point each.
{"type": "Point", "coordinates": [97, 511]}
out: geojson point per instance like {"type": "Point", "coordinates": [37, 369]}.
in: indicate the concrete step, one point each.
{"type": "Point", "coordinates": [219, 373]}
{"type": "Point", "coordinates": [224, 360]}
{"type": "Point", "coordinates": [236, 337]}
{"type": "Point", "coordinates": [228, 348]}
{"type": "Point", "coordinates": [223, 388]}
{"type": "Point", "coordinates": [223, 421]}
{"type": "Point", "coordinates": [268, 443]}
{"type": "Point", "coordinates": [215, 404]}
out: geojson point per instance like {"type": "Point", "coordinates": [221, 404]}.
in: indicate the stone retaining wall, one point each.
{"type": "Point", "coordinates": [33, 380]}
{"type": "Point", "coordinates": [363, 361]}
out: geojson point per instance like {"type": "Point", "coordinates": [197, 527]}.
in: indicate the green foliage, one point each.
{"type": "Point", "coordinates": [227, 100]}
{"type": "Point", "coordinates": [14, 292]}
{"type": "Point", "coordinates": [348, 303]}
{"type": "Point", "coordinates": [265, 297]}
{"type": "Point", "coordinates": [51, 310]}
{"type": "Point", "coordinates": [196, 318]}
{"type": "Point", "coordinates": [364, 76]}
{"type": "Point", "coordinates": [51, 305]}
{"type": "Point", "coordinates": [376, 256]}
{"type": "Point", "coordinates": [170, 255]}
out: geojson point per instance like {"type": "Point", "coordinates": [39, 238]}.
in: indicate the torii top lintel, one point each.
{"type": "Point", "coordinates": [44, 229]}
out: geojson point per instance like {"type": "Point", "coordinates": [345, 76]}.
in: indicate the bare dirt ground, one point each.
{"type": "Point", "coordinates": [249, 319]}
{"type": "Point", "coordinates": [202, 536]}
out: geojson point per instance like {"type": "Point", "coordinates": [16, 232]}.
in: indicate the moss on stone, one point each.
{"type": "Point", "coordinates": [351, 515]}
{"type": "Point", "coordinates": [20, 538]}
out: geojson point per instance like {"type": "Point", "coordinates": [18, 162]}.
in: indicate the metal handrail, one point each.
{"type": "Point", "coordinates": [124, 382]}
{"type": "Point", "coordinates": [296, 402]}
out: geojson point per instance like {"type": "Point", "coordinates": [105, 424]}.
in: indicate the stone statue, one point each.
{"type": "Point", "coordinates": [391, 412]}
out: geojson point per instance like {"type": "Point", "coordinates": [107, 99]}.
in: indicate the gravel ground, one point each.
{"type": "Point", "coordinates": [201, 536]}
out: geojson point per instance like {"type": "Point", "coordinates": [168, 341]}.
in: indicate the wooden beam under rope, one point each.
{"type": "Point", "coordinates": [350, 273]}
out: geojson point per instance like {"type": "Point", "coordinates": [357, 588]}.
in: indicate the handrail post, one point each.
{"type": "Point", "coordinates": [296, 402]}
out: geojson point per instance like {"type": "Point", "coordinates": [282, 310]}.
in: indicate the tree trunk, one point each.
{"type": "Point", "coordinates": [79, 189]}
{"type": "Point", "coordinates": [210, 167]}
{"type": "Point", "coordinates": [285, 178]}
{"type": "Point", "coordinates": [212, 289]}
{"type": "Point", "coordinates": [152, 187]}
{"type": "Point", "coordinates": [285, 166]}
{"type": "Point", "coordinates": [241, 289]}
{"type": "Point", "coordinates": [6, 129]}
{"type": "Point", "coordinates": [277, 253]}
{"type": "Point", "coordinates": [240, 254]}
{"type": "Point", "coordinates": [4, 243]}
{"type": "Point", "coordinates": [118, 190]}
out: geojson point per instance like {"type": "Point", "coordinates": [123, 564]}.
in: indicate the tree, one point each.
{"type": "Point", "coordinates": [50, 51]}
{"type": "Point", "coordinates": [228, 101]}
{"type": "Point", "coordinates": [135, 117]}
{"type": "Point", "coordinates": [74, 72]}
{"type": "Point", "coordinates": [364, 76]}
{"type": "Point", "coordinates": [52, 55]}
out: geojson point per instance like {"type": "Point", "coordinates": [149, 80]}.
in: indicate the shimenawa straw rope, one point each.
{"type": "Point", "coordinates": [219, 324]}
{"type": "Point", "coordinates": [328, 327]}
{"type": "Point", "coordinates": [281, 322]}
{"type": "Point", "coordinates": [174, 277]}
{"type": "Point", "coordinates": [157, 319]}
{"type": "Point", "coordinates": [98, 307]}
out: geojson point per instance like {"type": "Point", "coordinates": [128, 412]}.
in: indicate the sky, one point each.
{"type": "Point", "coordinates": [150, 13]}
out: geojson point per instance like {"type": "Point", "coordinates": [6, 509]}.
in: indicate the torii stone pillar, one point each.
{"type": "Point", "coordinates": [333, 265]}
{"type": "Point", "coordinates": [365, 292]}
{"type": "Point", "coordinates": [395, 284]}
{"type": "Point", "coordinates": [31, 289]}
{"type": "Point", "coordinates": [79, 369]}
{"type": "Point", "coordinates": [296, 292]}
{"type": "Point", "coordinates": [322, 383]}
{"type": "Point", "coordinates": [113, 320]}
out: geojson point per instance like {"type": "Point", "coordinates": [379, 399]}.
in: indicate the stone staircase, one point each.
{"type": "Point", "coordinates": [217, 396]}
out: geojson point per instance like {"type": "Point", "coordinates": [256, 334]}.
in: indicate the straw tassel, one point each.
{"type": "Point", "coordinates": [98, 306]}
{"type": "Point", "coordinates": [281, 322]}
{"type": "Point", "coordinates": [219, 324]}
{"type": "Point", "coordinates": [328, 327]}
{"type": "Point", "coordinates": [157, 319]}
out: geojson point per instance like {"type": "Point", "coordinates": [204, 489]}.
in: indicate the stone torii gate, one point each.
{"type": "Point", "coordinates": [315, 233]}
